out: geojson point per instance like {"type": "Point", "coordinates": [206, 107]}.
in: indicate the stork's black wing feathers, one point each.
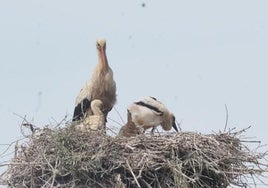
{"type": "Point", "coordinates": [141, 103]}
{"type": "Point", "coordinates": [153, 98]}
{"type": "Point", "coordinates": [80, 109]}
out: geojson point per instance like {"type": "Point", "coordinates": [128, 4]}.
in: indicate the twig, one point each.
{"type": "Point", "coordinates": [130, 169]}
{"type": "Point", "coordinates": [111, 130]}
{"type": "Point", "coordinates": [61, 122]}
{"type": "Point", "coordinates": [251, 141]}
{"type": "Point", "coordinates": [147, 184]}
{"type": "Point", "coordinates": [9, 145]}
{"type": "Point", "coordinates": [115, 121]}
{"type": "Point", "coordinates": [226, 119]}
{"type": "Point", "coordinates": [25, 123]}
{"type": "Point", "coordinates": [241, 131]}
{"type": "Point", "coordinates": [16, 149]}
{"type": "Point", "coordinates": [179, 124]}
{"type": "Point", "coordinates": [119, 115]}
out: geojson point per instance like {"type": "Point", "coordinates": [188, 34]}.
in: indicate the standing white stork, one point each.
{"type": "Point", "coordinates": [101, 86]}
{"type": "Point", "coordinates": [149, 113]}
{"type": "Point", "coordinates": [96, 121]}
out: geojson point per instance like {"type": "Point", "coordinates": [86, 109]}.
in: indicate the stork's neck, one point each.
{"type": "Point", "coordinates": [103, 60]}
{"type": "Point", "coordinates": [96, 110]}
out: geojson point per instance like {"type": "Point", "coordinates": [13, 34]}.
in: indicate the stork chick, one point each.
{"type": "Point", "coordinates": [101, 86]}
{"type": "Point", "coordinates": [130, 129]}
{"type": "Point", "coordinates": [96, 121]}
{"type": "Point", "coordinates": [149, 113]}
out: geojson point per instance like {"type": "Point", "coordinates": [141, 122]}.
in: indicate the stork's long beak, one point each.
{"type": "Point", "coordinates": [103, 57]}
{"type": "Point", "coordinates": [174, 125]}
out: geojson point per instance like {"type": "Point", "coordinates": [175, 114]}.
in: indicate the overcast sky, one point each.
{"type": "Point", "coordinates": [194, 56]}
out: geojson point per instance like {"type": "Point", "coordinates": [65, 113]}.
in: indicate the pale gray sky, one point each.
{"type": "Point", "coordinates": [194, 56]}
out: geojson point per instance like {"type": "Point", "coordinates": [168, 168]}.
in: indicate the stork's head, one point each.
{"type": "Point", "coordinates": [169, 121]}
{"type": "Point", "coordinates": [101, 47]}
{"type": "Point", "coordinates": [101, 44]}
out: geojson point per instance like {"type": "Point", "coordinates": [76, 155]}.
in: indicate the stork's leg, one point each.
{"type": "Point", "coordinates": [157, 131]}
{"type": "Point", "coordinates": [152, 131]}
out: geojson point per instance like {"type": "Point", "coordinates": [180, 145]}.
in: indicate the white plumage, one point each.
{"type": "Point", "coordinates": [149, 113]}
{"type": "Point", "coordinates": [101, 86]}
{"type": "Point", "coordinates": [96, 121]}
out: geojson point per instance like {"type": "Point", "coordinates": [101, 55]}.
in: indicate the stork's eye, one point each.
{"type": "Point", "coordinates": [98, 46]}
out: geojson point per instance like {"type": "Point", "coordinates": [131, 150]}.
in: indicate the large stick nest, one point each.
{"type": "Point", "coordinates": [65, 157]}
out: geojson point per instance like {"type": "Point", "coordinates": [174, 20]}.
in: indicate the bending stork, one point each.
{"type": "Point", "coordinates": [149, 113]}
{"type": "Point", "coordinates": [101, 86]}
{"type": "Point", "coordinates": [95, 121]}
